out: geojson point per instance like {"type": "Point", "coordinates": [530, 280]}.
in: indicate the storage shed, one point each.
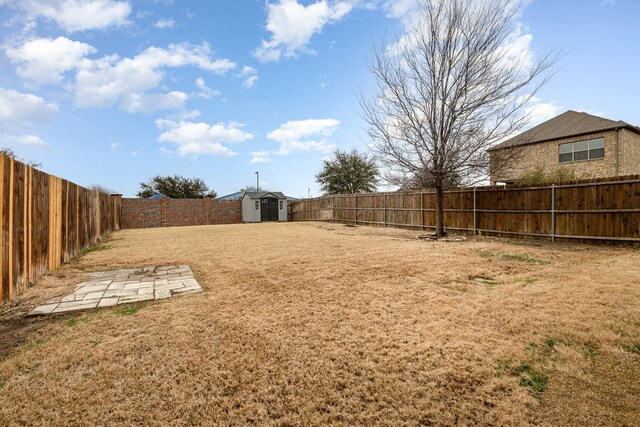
{"type": "Point", "coordinates": [262, 206]}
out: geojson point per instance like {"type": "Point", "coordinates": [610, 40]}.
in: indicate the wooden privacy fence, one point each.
{"type": "Point", "coordinates": [46, 221]}
{"type": "Point", "coordinates": [605, 209]}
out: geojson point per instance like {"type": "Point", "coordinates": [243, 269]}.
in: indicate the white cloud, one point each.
{"type": "Point", "coordinates": [163, 24]}
{"type": "Point", "coordinates": [116, 145]}
{"type": "Point", "coordinates": [79, 15]}
{"type": "Point", "coordinates": [202, 138]}
{"type": "Point", "coordinates": [205, 91]}
{"type": "Point", "coordinates": [111, 79]}
{"type": "Point", "coordinates": [517, 49]}
{"type": "Point", "coordinates": [540, 111]}
{"type": "Point", "coordinates": [324, 81]}
{"type": "Point", "coordinates": [179, 55]}
{"type": "Point", "coordinates": [149, 102]}
{"type": "Point", "coordinates": [250, 81]}
{"type": "Point", "coordinates": [399, 8]}
{"type": "Point", "coordinates": [31, 140]}
{"type": "Point", "coordinates": [250, 76]}
{"type": "Point", "coordinates": [46, 60]}
{"type": "Point", "coordinates": [608, 3]}
{"type": "Point", "coordinates": [305, 135]}
{"type": "Point", "coordinates": [292, 25]}
{"type": "Point", "coordinates": [247, 70]}
{"type": "Point", "coordinates": [186, 115]}
{"type": "Point", "coordinates": [18, 109]}
{"type": "Point", "coordinates": [260, 157]}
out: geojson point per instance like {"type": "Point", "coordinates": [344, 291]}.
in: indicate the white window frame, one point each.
{"type": "Point", "coordinates": [589, 142]}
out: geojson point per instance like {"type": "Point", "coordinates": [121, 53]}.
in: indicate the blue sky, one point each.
{"type": "Point", "coordinates": [114, 91]}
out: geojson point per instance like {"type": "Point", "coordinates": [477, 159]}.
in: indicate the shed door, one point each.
{"type": "Point", "coordinates": [269, 209]}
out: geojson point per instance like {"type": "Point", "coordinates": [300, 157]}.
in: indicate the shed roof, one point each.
{"type": "Point", "coordinates": [570, 123]}
{"type": "Point", "coordinates": [261, 194]}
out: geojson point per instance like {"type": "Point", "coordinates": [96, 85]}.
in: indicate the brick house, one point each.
{"type": "Point", "coordinates": [593, 146]}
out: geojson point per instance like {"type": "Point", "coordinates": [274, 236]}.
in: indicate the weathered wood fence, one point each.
{"type": "Point", "coordinates": [46, 221]}
{"type": "Point", "coordinates": [606, 209]}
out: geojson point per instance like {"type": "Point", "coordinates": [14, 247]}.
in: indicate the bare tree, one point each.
{"type": "Point", "coordinates": [449, 89]}
{"type": "Point", "coordinates": [8, 152]}
{"type": "Point", "coordinates": [101, 189]}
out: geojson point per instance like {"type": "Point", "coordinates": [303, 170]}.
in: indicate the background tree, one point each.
{"type": "Point", "coordinates": [540, 176]}
{"type": "Point", "coordinates": [448, 90]}
{"type": "Point", "coordinates": [350, 172]}
{"type": "Point", "coordinates": [8, 152]}
{"type": "Point", "coordinates": [427, 181]}
{"type": "Point", "coordinates": [101, 189]}
{"type": "Point", "coordinates": [252, 187]}
{"type": "Point", "coordinates": [176, 187]}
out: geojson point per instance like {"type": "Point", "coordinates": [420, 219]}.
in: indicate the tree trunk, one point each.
{"type": "Point", "coordinates": [439, 210]}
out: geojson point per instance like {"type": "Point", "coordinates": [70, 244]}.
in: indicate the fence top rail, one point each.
{"type": "Point", "coordinates": [472, 189]}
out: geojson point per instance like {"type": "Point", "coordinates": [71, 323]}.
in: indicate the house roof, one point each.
{"type": "Point", "coordinates": [233, 196]}
{"type": "Point", "coordinates": [570, 123]}
{"type": "Point", "coordinates": [261, 194]}
{"type": "Point", "coordinates": [158, 196]}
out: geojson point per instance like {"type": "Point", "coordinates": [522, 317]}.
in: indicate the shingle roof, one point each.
{"type": "Point", "coordinates": [158, 196]}
{"type": "Point", "coordinates": [571, 123]}
{"type": "Point", "coordinates": [233, 196]}
{"type": "Point", "coordinates": [259, 194]}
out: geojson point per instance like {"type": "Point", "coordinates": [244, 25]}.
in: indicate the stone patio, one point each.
{"type": "Point", "coordinates": [124, 286]}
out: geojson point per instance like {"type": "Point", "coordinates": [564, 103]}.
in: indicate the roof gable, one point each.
{"type": "Point", "coordinates": [261, 194]}
{"type": "Point", "coordinates": [570, 123]}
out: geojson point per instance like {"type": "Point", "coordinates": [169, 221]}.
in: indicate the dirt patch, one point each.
{"type": "Point", "coordinates": [15, 331]}
{"type": "Point", "coordinates": [315, 324]}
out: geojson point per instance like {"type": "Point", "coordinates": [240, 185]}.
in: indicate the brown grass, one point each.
{"type": "Point", "coordinates": [320, 324]}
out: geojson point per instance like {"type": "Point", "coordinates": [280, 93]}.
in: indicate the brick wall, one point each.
{"type": "Point", "coordinates": [148, 213]}
{"type": "Point", "coordinates": [629, 153]}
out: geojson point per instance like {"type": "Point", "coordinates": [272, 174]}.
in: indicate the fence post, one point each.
{"type": "Point", "coordinates": [553, 212]}
{"type": "Point", "coordinates": [475, 221]}
{"type": "Point", "coordinates": [421, 211]}
{"type": "Point", "coordinates": [355, 203]}
{"type": "Point", "coordinates": [384, 209]}
{"type": "Point", "coordinates": [333, 208]}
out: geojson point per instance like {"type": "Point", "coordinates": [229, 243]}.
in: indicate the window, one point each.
{"type": "Point", "coordinates": [257, 205]}
{"type": "Point", "coordinates": [281, 205]}
{"type": "Point", "coordinates": [589, 149]}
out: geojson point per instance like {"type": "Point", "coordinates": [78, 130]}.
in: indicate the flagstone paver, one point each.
{"type": "Point", "coordinates": [109, 288]}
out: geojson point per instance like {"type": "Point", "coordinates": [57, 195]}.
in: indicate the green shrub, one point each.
{"type": "Point", "coordinates": [539, 176]}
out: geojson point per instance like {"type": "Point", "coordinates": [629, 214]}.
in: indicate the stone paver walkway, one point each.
{"type": "Point", "coordinates": [124, 286]}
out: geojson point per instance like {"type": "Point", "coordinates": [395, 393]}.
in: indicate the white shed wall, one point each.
{"type": "Point", "coordinates": [251, 214]}
{"type": "Point", "coordinates": [282, 213]}
{"type": "Point", "coordinates": [249, 211]}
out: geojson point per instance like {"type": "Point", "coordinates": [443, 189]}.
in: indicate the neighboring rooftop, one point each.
{"type": "Point", "coordinates": [238, 195]}
{"type": "Point", "coordinates": [259, 194]}
{"type": "Point", "coordinates": [233, 196]}
{"type": "Point", "coordinates": [158, 196]}
{"type": "Point", "coordinates": [571, 123]}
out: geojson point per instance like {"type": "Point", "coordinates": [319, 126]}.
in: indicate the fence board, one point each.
{"type": "Point", "coordinates": [45, 221]}
{"type": "Point", "coordinates": [596, 210]}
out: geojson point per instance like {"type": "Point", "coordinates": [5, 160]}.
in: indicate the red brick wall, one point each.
{"type": "Point", "coordinates": [147, 213]}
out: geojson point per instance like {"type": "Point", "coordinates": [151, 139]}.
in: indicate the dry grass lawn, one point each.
{"type": "Point", "coordinates": [322, 324]}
